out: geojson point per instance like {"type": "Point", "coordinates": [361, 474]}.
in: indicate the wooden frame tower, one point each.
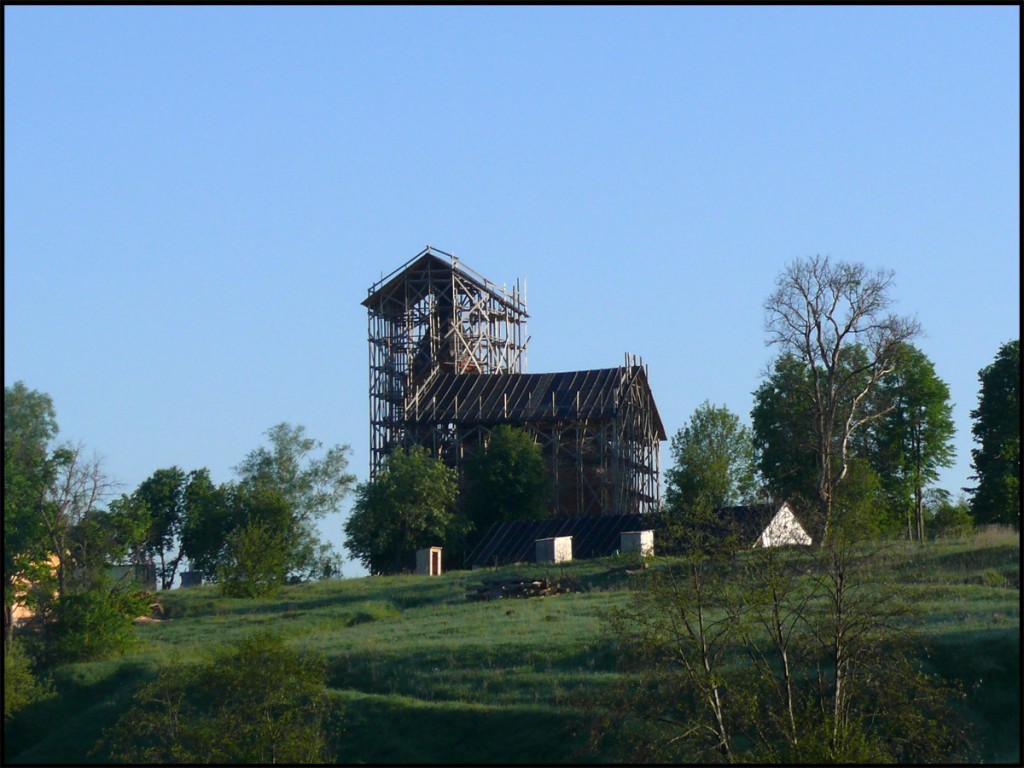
{"type": "Point", "coordinates": [433, 315]}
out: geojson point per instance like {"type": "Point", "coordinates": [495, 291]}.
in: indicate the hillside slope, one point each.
{"type": "Point", "coordinates": [425, 675]}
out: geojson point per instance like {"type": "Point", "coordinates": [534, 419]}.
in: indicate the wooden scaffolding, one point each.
{"type": "Point", "coordinates": [447, 349]}
{"type": "Point", "coordinates": [430, 316]}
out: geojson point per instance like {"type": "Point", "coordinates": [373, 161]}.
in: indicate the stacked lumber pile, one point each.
{"type": "Point", "coordinates": [496, 589]}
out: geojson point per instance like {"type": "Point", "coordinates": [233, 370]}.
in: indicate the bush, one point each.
{"type": "Point", "coordinates": [255, 562]}
{"type": "Point", "coordinates": [953, 520]}
{"type": "Point", "coordinates": [21, 687]}
{"type": "Point", "coordinates": [260, 704]}
{"type": "Point", "coordinates": [97, 623]}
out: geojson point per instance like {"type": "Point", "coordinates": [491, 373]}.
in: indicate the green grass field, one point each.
{"type": "Point", "coordinates": [424, 675]}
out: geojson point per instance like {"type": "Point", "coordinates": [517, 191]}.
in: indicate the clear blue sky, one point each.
{"type": "Point", "coordinates": [197, 199]}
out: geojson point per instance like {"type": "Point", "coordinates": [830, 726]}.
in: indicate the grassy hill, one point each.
{"type": "Point", "coordinates": [424, 675]}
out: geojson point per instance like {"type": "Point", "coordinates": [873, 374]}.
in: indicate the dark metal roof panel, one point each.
{"type": "Point", "coordinates": [499, 397]}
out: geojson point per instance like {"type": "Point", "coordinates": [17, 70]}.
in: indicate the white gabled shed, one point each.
{"type": "Point", "coordinates": [783, 528]}
{"type": "Point", "coordinates": [764, 525]}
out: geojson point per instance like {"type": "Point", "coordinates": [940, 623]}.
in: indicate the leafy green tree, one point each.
{"type": "Point", "coordinates": [507, 480]}
{"type": "Point", "coordinates": [913, 439]}
{"type": "Point", "coordinates": [713, 459]}
{"type": "Point", "coordinates": [862, 499]}
{"type": "Point", "coordinates": [948, 518]}
{"type": "Point", "coordinates": [30, 424]}
{"type": "Point", "coordinates": [996, 429]}
{"type": "Point", "coordinates": [785, 439]}
{"type": "Point", "coordinates": [30, 421]}
{"type": "Point", "coordinates": [21, 686]}
{"type": "Point", "coordinates": [819, 311]}
{"type": "Point", "coordinates": [163, 494]}
{"type": "Point", "coordinates": [409, 505]}
{"type": "Point", "coordinates": [313, 487]}
{"type": "Point", "coordinates": [208, 519]}
{"type": "Point", "coordinates": [258, 551]}
{"type": "Point", "coordinates": [96, 622]}
{"type": "Point", "coordinates": [108, 537]}
{"type": "Point", "coordinates": [263, 703]}
{"type": "Point", "coordinates": [130, 529]}
{"type": "Point", "coordinates": [783, 433]}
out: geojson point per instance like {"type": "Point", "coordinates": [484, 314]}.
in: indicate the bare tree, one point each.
{"type": "Point", "coordinates": [834, 317]}
{"type": "Point", "coordinates": [777, 656]}
{"type": "Point", "coordinates": [76, 487]}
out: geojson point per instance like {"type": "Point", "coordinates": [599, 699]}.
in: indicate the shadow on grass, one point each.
{"type": "Point", "coordinates": [986, 663]}
{"type": "Point", "coordinates": [65, 727]}
{"type": "Point", "coordinates": [452, 733]}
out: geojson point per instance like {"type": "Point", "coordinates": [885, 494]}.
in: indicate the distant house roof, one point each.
{"type": "Point", "coordinates": [749, 522]}
{"type": "Point", "coordinates": [596, 536]}
{"type": "Point", "coordinates": [498, 398]}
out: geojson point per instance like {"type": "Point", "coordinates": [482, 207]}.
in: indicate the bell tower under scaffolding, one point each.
{"type": "Point", "coordinates": [435, 316]}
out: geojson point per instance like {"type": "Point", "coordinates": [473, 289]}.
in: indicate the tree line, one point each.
{"type": "Point", "coordinates": [64, 528]}
{"type": "Point", "coordinates": [850, 406]}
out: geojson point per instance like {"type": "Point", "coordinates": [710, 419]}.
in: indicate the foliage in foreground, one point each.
{"type": "Point", "coordinates": [791, 657]}
{"type": "Point", "coordinates": [427, 677]}
{"type": "Point", "coordinates": [261, 704]}
{"type": "Point", "coordinates": [96, 623]}
{"type": "Point", "coordinates": [21, 686]}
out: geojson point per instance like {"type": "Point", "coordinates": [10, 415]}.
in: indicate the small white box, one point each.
{"type": "Point", "coordinates": [557, 549]}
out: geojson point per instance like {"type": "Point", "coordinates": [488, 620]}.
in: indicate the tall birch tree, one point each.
{"type": "Point", "coordinates": [819, 310]}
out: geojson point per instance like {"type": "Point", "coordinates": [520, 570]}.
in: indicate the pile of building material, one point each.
{"type": "Point", "coordinates": [496, 589]}
{"type": "Point", "coordinates": [156, 611]}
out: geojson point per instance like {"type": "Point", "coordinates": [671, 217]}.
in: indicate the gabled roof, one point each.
{"type": "Point", "coordinates": [513, 541]}
{"type": "Point", "coordinates": [432, 264]}
{"type": "Point", "coordinates": [750, 521]}
{"type": "Point", "coordinates": [497, 398]}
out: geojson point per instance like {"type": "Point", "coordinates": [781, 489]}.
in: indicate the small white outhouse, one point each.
{"type": "Point", "coordinates": [637, 541]}
{"type": "Point", "coordinates": [428, 561]}
{"type": "Point", "coordinates": [557, 549]}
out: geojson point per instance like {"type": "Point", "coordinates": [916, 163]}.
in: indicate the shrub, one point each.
{"type": "Point", "coordinates": [255, 562]}
{"type": "Point", "coordinates": [953, 520]}
{"type": "Point", "coordinates": [260, 704]}
{"type": "Point", "coordinates": [990, 577]}
{"type": "Point", "coordinates": [97, 623]}
{"type": "Point", "coordinates": [21, 687]}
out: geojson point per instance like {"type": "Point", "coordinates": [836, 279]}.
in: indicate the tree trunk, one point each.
{"type": "Point", "coordinates": [837, 706]}
{"type": "Point", "coordinates": [918, 495]}
{"type": "Point", "coordinates": [8, 627]}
